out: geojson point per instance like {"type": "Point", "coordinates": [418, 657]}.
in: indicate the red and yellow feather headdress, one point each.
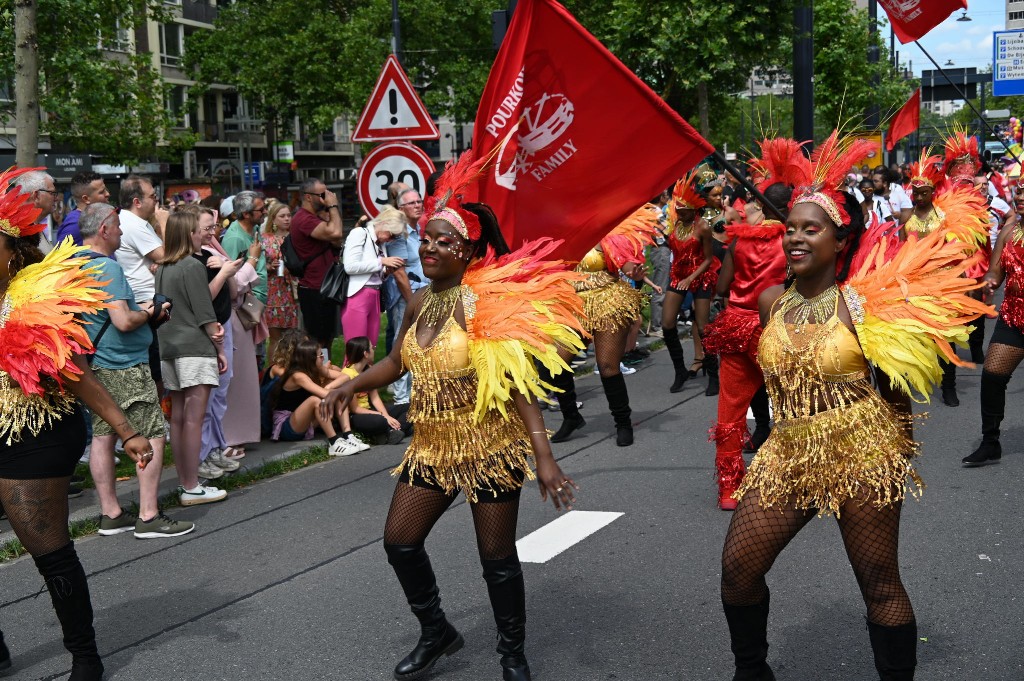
{"type": "Point", "coordinates": [626, 242]}
{"type": "Point", "coordinates": [927, 171]}
{"type": "Point", "coordinates": [829, 164]}
{"type": "Point", "coordinates": [685, 196]}
{"type": "Point", "coordinates": [962, 161]}
{"type": "Point", "coordinates": [18, 216]}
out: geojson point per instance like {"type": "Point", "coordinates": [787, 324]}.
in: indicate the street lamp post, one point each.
{"type": "Point", "coordinates": [803, 71]}
{"type": "Point", "coordinates": [396, 32]}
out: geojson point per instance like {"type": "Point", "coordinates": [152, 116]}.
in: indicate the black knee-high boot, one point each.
{"type": "Point", "coordinates": [507, 592]}
{"type": "Point", "coordinates": [5, 656]}
{"type": "Point", "coordinates": [437, 637]}
{"type": "Point", "coordinates": [976, 341]}
{"type": "Point", "coordinates": [572, 420]}
{"type": "Point", "coordinates": [895, 650]}
{"type": "Point", "coordinates": [675, 353]}
{"type": "Point", "coordinates": [993, 406]}
{"type": "Point", "coordinates": [949, 396]}
{"type": "Point", "coordinates": [69, 591]}
{"type": "Point", "coordinates": [711, 367]}
{"type": "Point", "coordinates": [748, 633]}
{"type": "Point", "coordinates": [618, 405]}
{"type": "Point", "coordinates": [762, 421]}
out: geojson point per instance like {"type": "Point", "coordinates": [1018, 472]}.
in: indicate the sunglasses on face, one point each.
{"type": "Point", "coordinates": [322, 195]}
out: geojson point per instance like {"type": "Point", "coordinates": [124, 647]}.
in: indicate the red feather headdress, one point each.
{"type": "Point", "coordinates": [927, 172]}
{"type": "Point", "coordinates": [782, 160]}
{"type": "Point", "coordinates": [626, 242]}
{"type": "Point", "coordinates": [962, 162]}
{"type": "Point", "coordinates": [18, 216]}
{"type": "Point", "coordinates": [685, 196]}
{"type": "Point", "coordinates": [830, 162]}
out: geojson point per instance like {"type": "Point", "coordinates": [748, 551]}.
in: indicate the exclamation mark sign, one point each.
{"type": "Point", "coordinates": [393, 105]}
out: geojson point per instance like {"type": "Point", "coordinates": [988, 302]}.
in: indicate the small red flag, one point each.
{"type": "Point", "coordinates": [911, 19]}
{"type": "Point", "coordinates": [906, 121]}
{"type": "Point", "coordinates": [593, 141]}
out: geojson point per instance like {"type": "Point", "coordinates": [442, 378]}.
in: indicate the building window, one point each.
{"type": "Point", "coordinates": [177, 106]}
{"type": "Point", "coordinates": [6, 91]}
{"type": "Point", "coordinates": [120, 41]}
{"type": "Point", "coordinates": [172, 44]}
{"type": "Point", "coordinates": [1015, 16]}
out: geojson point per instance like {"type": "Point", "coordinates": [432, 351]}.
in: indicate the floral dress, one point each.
{"type": "Point", "coordinates": [282, 311]}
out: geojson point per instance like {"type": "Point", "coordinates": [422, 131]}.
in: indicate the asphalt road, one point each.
{"type": "Point", "coordinates": [288, 579]}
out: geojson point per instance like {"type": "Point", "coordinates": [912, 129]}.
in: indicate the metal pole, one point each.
{"type": "Point", "coordinates": [872, 118]}
{"type": "Point", "coordinates": [729, 168]}
{"type": "Point", "coordinates": [396, 32]}
{"type": "Point", "coordinates": [803, 72]}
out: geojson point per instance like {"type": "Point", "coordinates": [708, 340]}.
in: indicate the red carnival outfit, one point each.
{"type": "Point", "coordinates": [687, 255]}
{"type": "Point", "coordinates": [1012, 260]}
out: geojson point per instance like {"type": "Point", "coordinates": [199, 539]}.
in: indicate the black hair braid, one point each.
{"type": "Point", "coordinates": [490, 234]}
{"type": "Point", "coordinates": [851, 232]}
{"type": "Point", "coordinates": [26, 252]}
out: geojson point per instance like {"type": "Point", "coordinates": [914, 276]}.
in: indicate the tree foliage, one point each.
{"type": "Point", "coordinates": [114, 107]}
{"type": "Point", "coordinates": [319, 59]}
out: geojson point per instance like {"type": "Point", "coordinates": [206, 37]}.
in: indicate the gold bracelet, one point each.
{"type": "Point", "coordinates": [538, 432]}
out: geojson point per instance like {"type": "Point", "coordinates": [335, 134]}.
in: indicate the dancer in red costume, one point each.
{"type": "Point", "coordinates": [694, 269]}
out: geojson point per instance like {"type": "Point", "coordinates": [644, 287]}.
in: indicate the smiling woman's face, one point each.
{"type": "Point", "coordinates": [443, 252]}
{"type": "Point", "coordinates": [810, 241]}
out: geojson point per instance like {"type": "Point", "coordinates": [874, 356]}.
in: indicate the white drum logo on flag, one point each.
{"type": "Point", "coordinates": [904, 10]}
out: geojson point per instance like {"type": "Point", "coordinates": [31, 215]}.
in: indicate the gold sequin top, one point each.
{"type": "Point", "coordinates": [20, 412]}
{"type": "Point", "coordinates": [448, 447]}
{"type": "Point", "coordinates": [916, 225]}
{"type": "Point", "coordinates": [835, 438]}
{"type": "Point", "coordinates": [608, 302]}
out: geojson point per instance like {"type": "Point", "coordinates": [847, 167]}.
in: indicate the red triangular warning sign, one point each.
{"type": "Point", "coordinates": [394, 111]}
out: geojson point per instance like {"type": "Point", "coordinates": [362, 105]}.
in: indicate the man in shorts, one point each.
{"type": "Point", "coordinates": [121, 335]}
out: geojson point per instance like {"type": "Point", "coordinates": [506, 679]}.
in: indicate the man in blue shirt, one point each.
{"type": "Point", "coordinates": [121, 335]}
{"type": "Point", "coordinates": [87, 188]}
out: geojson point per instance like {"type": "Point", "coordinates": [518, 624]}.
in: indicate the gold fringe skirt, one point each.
{"type": "Point", "coordinates": [820, 462]}
{"type": "Point", "coordinates": [609, 304]}
{"type": "Point", "coordinates": [451, 450]}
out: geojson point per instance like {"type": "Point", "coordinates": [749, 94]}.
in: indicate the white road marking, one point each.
{"type": "Point", "coordinates": [546, 542]}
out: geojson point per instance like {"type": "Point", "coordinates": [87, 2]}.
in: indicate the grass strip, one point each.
{"type": "Point", "coordinates": [269, 469]}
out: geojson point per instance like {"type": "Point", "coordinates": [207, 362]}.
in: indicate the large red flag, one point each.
{"type": "Point", "coordinates": [911, 19]}
{"type": "Point", "coordinates": [593, 141]}
{"type": "Point", "coordinates": [906, 120]}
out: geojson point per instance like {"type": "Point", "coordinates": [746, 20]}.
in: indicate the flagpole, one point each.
{"type": "Point", "coordinates": [768, 205]}
{"type": "Point", "coordinates": [964, 97]}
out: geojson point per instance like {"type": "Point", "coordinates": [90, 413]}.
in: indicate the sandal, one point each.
{"type": "Point", "coordinates": [234, 452]}
{"type": "Point", "coordinates": [697, 367]}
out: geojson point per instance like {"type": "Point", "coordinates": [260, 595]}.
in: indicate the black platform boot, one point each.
{"type": "Point", "coordinates": [437, 637]}
{"type": "Point", "coordinates": [895, 650]}
{"type": "Point", "coordinates": [618, 404]}
{"type": "Point", "coordinates": [507, 592]}
{"type": "Point", "coordinates": [5, 657]}
{"type": "Point", "coordinates": [571, 418]}
{"type": "Point", "coordinates": [711, 367]}
{"type": "Point", "coordinates": [748, 632]}
{"type": "Point", "coordinates": [949, 396]}
{"type": "Point", "coordinates": [69, 591]}
{"type": "Point", "coordinates": [993, 405]}
{"type": "Point", "coordinates": [762, 421]}
{"type": "Point", "coordinates": [675, 353]}
{"type": "Point", "coordinates": [976, 341]}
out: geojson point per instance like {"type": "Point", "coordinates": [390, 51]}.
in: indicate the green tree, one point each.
{"type": "Point", "coordinates": [111, 104]}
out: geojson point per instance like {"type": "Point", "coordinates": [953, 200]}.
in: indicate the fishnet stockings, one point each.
{"type": "Point", "coordinates": [757, 536]}
{"type": "Point", "coordinates": [38, 512]}
{"type": "Point", "coordinates": [609, 346]}
{"type": "Point", "coordinates": [415, 510]}
{"type": "Point", "coordinates": [1003, 359]}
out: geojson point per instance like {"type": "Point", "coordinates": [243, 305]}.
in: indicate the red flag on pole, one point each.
{"type": "Point", "coordinates": [906, 120]}
{"type": "Point", "coordinates": [593, 141]}
{"type": "Point", "coordinates": [911, 19]}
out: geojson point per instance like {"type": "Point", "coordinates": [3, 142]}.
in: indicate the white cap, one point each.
{"type": "Point", "coordinates": [227, 206]}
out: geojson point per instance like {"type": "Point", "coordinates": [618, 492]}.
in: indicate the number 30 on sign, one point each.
{"type": "Point", "coordinates": [395, 162]}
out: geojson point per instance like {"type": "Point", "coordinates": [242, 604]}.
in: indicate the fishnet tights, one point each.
{"type": "Point", "coordinates": [1003, 359]}
{"type": "Point", "coordinates": [415, 510]}
{"type": "Point", "coordinates": [757, 536]}
{"type": "Point", "coordinates": [38, 512]}
{"type": "Point", "coordinates": [609, 346]}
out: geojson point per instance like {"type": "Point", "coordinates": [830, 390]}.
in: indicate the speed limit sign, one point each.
{"type": "Point", "coordinates": [388, 163]}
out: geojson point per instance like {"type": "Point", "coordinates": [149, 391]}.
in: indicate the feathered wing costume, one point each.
{"type": "Point", "coordinates": [519, 308]}
{"type": "Point", "coordinates": [40, 325]}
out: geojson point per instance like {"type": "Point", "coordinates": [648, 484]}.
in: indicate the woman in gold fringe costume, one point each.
{"type": "Point", "coordinates": [610, 307]}
{"type": "Point", "coordinates": [840, 447]}
{"type": "Point", "coordinates": [43, 369]}
{"type": "Point", "coordinates": [470, 340]}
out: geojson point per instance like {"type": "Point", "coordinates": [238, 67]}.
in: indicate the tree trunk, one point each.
{"type": "Point", "coordinates": [26, 82]}
{"type": "Point", "coordinates": [702, 108]}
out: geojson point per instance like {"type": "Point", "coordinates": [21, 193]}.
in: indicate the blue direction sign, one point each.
{"type": "Point", "coordinates": [1008, 63]}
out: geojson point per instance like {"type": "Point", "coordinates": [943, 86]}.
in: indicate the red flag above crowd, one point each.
{"type": "Point", "coordinates": [594, 142]}
{"type": "Point", "coordinates": [906, 120]}
{"type": "Point", "coordinates": [911, 19]}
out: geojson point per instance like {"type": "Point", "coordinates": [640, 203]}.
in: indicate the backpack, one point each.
{"type": "Point", "coordinates": [292, 262]}
{"type": "Point", "coordinates": [267, 383]}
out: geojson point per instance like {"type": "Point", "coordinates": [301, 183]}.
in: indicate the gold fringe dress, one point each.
{"type": "Point", "coordinates": [450, 447]}
{"type": "Point", "coordinates": [835, 438]}
{"type": "Point", "coordinates": [609, 303]}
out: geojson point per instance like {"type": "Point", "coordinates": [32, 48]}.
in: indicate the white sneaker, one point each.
{"type": "Point", "coordinates": [85, 455]}
{"type": "Point", "coordinates": [342, 447]}
{"type": "Point", "coordinates": [200, 495]}
{"type": "Point", "coordinates": [359, 444]}
{"type": "Point", "coordinates": [623, 369]}
{"type": "Point", "coordinates": [218, 459]}
{"type": "Point", "coordinates": [210, 470]}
